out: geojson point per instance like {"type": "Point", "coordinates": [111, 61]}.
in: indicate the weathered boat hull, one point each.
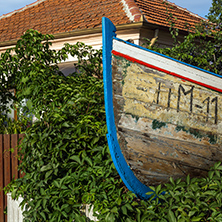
{"type": "Point", "coordinates": [167, 114]}
{"type": "Point", "coordinates": [158, 134]}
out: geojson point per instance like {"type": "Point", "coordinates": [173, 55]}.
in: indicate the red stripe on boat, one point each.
{"type": "Point", "coordinates": [163, 70]}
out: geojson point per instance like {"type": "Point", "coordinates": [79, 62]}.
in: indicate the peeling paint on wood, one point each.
{"type": "Point", "coordinates": [167, 127]}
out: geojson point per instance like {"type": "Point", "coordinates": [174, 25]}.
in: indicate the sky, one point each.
{"type": "Point", "coordinates": [200, 7]}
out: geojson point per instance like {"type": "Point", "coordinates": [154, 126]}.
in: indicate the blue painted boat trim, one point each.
{"type": "Point", "coordinates": [127, 175]}
{"type": "Point", "coordinates": [157, 53]}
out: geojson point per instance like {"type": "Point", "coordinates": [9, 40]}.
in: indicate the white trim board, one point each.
{"type": "Point", "coordinates": [168, 64]}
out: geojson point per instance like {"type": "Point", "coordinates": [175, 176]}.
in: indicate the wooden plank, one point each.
{"type": "Point", "coordinates": [155, 158]}
{"type": "Point", "coordinates": [171, 98]}
{"type": "Point", "coordinates": [7, 160]}
{"type": "Point", "coordinates": [14, 154]}
{"type": "Point", "coordinates": [156, 178]}
{"type": "Point", "coordinates": [158, 96]}
{"type": "Point", "coordinates": [21, 136]}
{"type": "Point", "coordinates": [1, 180]}
{"type": "Point", "coordinates": [168, 65]}
{"type": "Point", "coordinates": [172, 149]}
{"type": "Point", "coordinates": [147, 125]}
{"type": "Point", "coordinates": [166, 126]}
{"type": "Point", "coordinates": [7, 165]}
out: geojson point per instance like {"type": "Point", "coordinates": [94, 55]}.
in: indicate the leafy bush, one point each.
{"type": "Point", "coordinates": [11, 126]}
{"type": "Point", "coordinates": [196, 199]}
{"type": "Point", "coordinates": [65, 154]}
{"type": "Point", "coordinates": [202, 46]}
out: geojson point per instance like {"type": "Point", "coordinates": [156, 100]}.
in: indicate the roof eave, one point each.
{"type": "Point", "coordinates": [81, 32]}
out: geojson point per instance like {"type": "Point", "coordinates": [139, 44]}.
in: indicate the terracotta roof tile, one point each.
{"type": "Point", "coordinates": [155, 11]}
{"type": "Point", "coordinates": [57, 16]}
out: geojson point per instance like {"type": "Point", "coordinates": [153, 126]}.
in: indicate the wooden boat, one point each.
{"type": "Point", "coordinates": [163, 116]}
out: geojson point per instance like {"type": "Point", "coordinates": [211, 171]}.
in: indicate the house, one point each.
{"type": "Point", "coordinates": [80, 20]}
{"type": "Point", "coordinates": [72, 21]}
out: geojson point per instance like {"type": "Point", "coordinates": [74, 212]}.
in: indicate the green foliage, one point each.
{"type": "Point", "coordinates": [196, 199]}
{"type": "Point", "coordinates": [65, 155]}
{"type": "Point", "coordinates": [215, 12]}
{"type": "Point", "coordinates": [89, 60]}
{"type": "Point", "coordinates": [9, 126]}
{"type": "Point", "coordinates": [6, 81]}
{"type": "Point", "coordinates": [198, 50]}
{"type": "Point", "coordinates": [202, 46]}
{"type": "Point", "coordinates": [34, 66]}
